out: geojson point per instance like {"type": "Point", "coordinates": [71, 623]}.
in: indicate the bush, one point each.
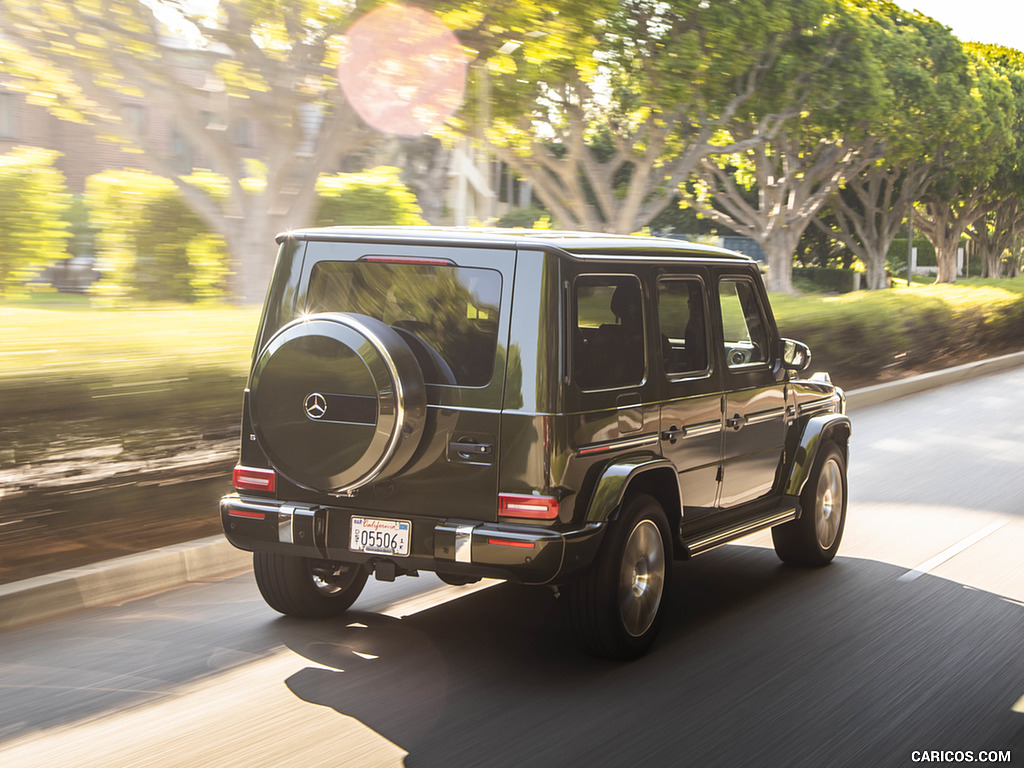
{"type": "Point", "coordinates": [522, 218]}
{"type": "Point", "coordinates": [827, 278]}
{"type": "Point", "coordinates": [33, 205]}
{"type": "Point", "coordinates": [896, 258]}
{"type": "Point", "coordinates": [873, 335]}
{"type": "Point", "coordinates": [149, 244]}
{"type": "Point", "coordinates": [374, 197]}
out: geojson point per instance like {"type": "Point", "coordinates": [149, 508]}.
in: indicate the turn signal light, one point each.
{"type": "Point", "coordinates": [527, 507]}
{"type": "Point", "coordinates": [251, 479]}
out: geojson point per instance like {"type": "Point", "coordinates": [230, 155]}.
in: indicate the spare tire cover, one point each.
{"type": "Point", "coordinates": [337, 401]}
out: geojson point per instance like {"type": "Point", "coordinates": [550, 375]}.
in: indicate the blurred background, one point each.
{"type": "Point", "coordinates": [150, 152]}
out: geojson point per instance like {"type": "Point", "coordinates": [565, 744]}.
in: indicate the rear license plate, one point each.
{"type": "Point", "coordinates": [380, 537]}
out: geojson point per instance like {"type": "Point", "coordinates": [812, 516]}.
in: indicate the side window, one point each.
{"type": "Point", "coordinates": [608, 334]}
{"type": "Point", "coordinates": [683, 323]}
{"type": "Point", "coordinates": [743, 326]}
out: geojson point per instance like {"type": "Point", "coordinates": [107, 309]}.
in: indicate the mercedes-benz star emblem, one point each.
{"type": "Point", "coordinates": [315, 405]}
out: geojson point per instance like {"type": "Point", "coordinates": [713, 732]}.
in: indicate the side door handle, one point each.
{"type": "Point", "coordinates": [736, 422]}
{"type": "Point", "coordinates": [673, 433]}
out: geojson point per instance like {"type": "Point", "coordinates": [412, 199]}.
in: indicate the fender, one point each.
{"type": "Point", "coordinates": [617, 476]}
{"type": "Point", "coordinates": [819, 429]}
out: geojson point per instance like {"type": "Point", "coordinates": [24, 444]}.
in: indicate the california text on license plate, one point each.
{"type": "Point", "coordinates": [380, 537]}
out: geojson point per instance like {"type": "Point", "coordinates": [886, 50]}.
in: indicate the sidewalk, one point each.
{"type": "Point", "coordinates": [126, 578]}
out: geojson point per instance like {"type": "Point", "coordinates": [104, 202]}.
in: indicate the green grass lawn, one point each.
{"type": "Point", "coordinates": [75, 339]}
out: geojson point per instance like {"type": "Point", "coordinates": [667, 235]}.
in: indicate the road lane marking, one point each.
{"type": "Point", "coordinates": [1019, 706]}
{"type": "Point", "coordinates": [948, 554]}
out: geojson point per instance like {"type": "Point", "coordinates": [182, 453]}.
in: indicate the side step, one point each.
{"type": "Point", "coordinates": [716, 537]}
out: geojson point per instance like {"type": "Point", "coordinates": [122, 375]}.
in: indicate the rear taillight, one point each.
{"type": "Point", "coordinates": [252, 479]}
{"type": "Point", "coordinates": [527, 507]}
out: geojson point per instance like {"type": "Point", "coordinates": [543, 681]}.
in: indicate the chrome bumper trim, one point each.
{"type": "Point", "coordinates": [464, 543]}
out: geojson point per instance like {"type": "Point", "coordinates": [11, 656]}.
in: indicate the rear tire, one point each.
{"type": "Point", "coordinates": [305, 588]}
{"type": "Point", "coordinates": [618, 603]}
{"type": "Point", "coordinates": [813, 539]}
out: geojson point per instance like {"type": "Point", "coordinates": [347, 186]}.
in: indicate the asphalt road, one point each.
{"type": "Point", "coordinates": [911, 642]}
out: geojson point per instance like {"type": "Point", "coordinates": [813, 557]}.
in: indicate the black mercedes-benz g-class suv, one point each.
{"type": "Point", "coordinates": [551, 408]}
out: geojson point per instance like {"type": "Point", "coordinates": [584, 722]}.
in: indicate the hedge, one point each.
{"type": "Point", "coordinates": [150, 245]}
{"type": "Point", "coordinates": [377, 196]}
{"type": "Point", "coordinates": [867, 336]}
{"type": "Point", "coordinates": [33, 205]}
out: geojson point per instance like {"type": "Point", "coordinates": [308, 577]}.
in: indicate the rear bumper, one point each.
{"type": "Point", "coordinates": [522, 553]}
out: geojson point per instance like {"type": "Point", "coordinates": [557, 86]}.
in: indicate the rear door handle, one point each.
{"type": "Point", "coordinates": [470, 448]}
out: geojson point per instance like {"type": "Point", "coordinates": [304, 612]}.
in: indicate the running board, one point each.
{"type": "Point", "coordinates": [716, 537]}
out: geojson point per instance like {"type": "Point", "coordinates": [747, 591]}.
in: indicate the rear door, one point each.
{"type": "Point", "coordinates": [691, 411]}
{"type": "Point", "coordinates": [755, 403]}
{"type": "Point", "coordinates": [451, 304]}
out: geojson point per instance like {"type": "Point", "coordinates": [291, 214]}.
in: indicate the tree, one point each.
{"type": "Point", "coordinates": [925, 70]}
{"type": "Point", "coordinates": [33, 204]}
{"type": "Point", "coordinates": [1002, 227]}
{"type": "Point", "coordinates": [266, 67]}
{"type": "Point", "coordinates": [963, 192]}
{"type": "Point", "coordinates": [831, 78]}
{"type": "Point", "coordinates": [607, 107]}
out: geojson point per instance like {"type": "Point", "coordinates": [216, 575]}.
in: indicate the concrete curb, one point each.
{"type": "Point", "coordinates": [119, 580]}
{"type": "Point", "coordinates": [881, 393]}
{"type": "Point", "coordinates": [126, 578]}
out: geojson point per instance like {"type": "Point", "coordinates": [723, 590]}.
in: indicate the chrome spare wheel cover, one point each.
{"type": "Point", "coordinates": [641, 578]}
{"type": "Point", "coordinates": [828, 506]}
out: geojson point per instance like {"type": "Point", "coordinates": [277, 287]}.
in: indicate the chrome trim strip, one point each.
{"type": "Point", "coordinates": [700, 430]}
{"type": "Point", "coordinates": [632, 442]}
{"type": "Point", "coordinates": [765, 416]}
{"type": "Point", "coordinates": [464, 543]}
{"type": "Point", "coordinates": [285, 514]}
{"type": "Point", "coordinates": [814, 405]}
{"type": "Point", "coordinates": [723, 536]}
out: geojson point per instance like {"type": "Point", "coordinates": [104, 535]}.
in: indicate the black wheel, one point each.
{"type": "Point", "coordinates": [814, 538]}
{"type": "Point", "coordinates": [617, 604]}
{"type": "Point", "coordinates": [308, 589]}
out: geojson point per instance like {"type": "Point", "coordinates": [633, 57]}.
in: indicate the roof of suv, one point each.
{"type": "Point", "coordinates": [580, 244]}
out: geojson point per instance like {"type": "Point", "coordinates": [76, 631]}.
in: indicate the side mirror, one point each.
{"type": "Point", "coordinates": [796, 356]}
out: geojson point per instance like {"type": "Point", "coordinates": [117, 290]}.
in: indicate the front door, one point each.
{"type": "Point", "coordinates": [755, 403]}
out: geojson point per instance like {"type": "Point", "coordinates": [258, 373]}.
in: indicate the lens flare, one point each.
{"type": "Point", "coordinates": [403, 70]}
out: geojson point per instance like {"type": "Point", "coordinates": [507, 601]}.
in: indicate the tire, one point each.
{"type": "Point", "coordinates": [618, 603]}
{"type": "Point", "coordinates": [305, 588]}
{"type": "Point", "coordinates": [813, 539]}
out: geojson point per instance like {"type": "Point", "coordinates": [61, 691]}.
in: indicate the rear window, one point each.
{"type": "Point", "coordinates": [448, 315]}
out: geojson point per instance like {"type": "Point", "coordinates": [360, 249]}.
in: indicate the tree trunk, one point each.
{"type": "Point", "coordinates": [779, 244]}
{"type": "Point", "coordinates": [875, 267]}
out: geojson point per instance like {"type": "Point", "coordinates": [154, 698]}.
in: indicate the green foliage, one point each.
{"type": "Point", "coordinates": [33, 205]}
{"type": "Point", "coordinates": [524, 218]}
{"type": "Point", "coordinates": [829, 279]}
{"type": "Point", "coordinates": [150, 246]}
{"type": "Point", "coordinates": [897, 258]}
{"type": "Point", "coordinates": [867, 336]}
{"type": "Point", "coordinates": [373, 197]}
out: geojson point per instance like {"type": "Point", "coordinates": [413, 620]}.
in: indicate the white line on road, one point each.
{"type": "Point", "coordinates": [948, 554]}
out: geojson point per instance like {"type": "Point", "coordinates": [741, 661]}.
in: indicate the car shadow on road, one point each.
{"type": "Point", "coordinates": [757, 663]}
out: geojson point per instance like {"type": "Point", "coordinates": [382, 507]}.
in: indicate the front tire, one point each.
{"type": "Point", "coordinates": [305, 588]}
{"type": "Point", "coordinates": [813, 539]}
{"type": "Point", "coordinates": [617, 605]}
